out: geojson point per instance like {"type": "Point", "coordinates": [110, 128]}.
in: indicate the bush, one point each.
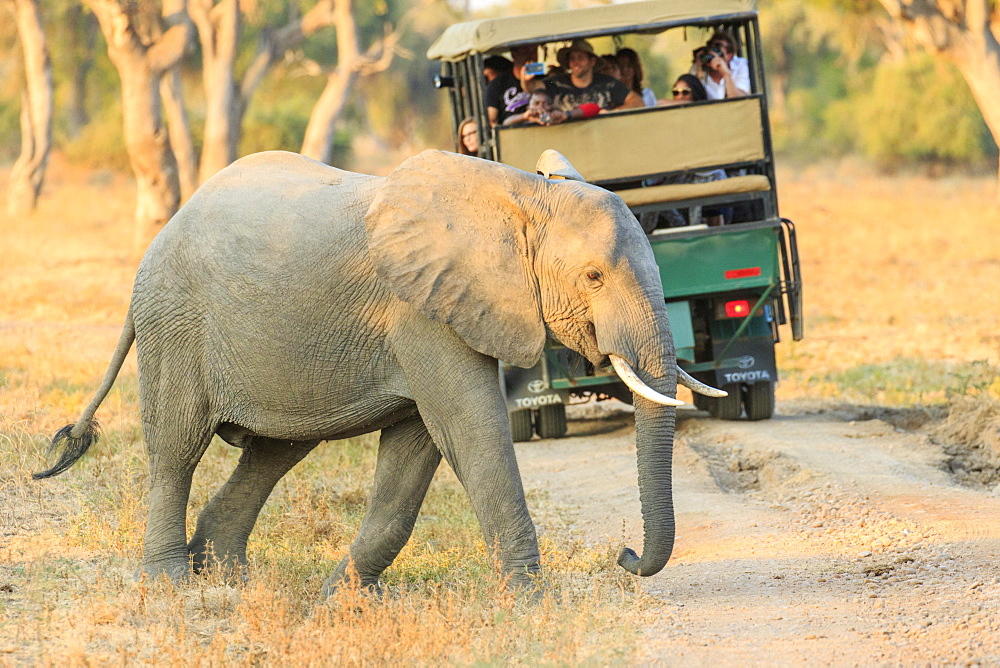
{"type": "Point", "coordinates": [920, 110]}
{"type": "Point", "coordinates": [101, 143]}
{"type": "Point", "coordinates": [10, 130]}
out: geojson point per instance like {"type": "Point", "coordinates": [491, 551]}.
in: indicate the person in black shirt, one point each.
{"type": "Point", "coordinates": [580, 88]}
{"type": "Point", "coordinates": [494, 66]}
{"type": "Point", "coordinates": [508, 93]}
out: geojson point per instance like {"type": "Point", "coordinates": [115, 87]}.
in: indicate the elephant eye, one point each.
{"type": "Point", "coordinates": [594, 274]}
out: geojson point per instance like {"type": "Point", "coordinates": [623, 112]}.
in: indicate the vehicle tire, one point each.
{"type": "Point", "coordinates": [702, 403]}
{"type": "Point", "coordinates": [520, 425]}
{"type": "Point", "coordinates": [758, 399]}
{"type": "Point", "coordinates": [551, 421]}
{"type": "Point", "coordinates": [729, 407]}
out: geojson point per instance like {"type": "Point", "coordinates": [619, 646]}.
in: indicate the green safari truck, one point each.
{"type": "Point", "coordinates": [729, 288]}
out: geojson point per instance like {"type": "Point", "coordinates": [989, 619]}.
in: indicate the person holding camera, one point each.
{"type": "Point", "coordinates": [508, 93]}
{"type": "Point", "coordinates": [722, 72]}
{"type": "Point", "coordinates": [539, 110]}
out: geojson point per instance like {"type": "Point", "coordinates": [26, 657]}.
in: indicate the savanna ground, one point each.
{"type": "Point", "coordinates": [860, 526]}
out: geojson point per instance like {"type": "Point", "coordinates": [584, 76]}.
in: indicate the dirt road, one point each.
{"type": "Point", "coordinates": [826, 535]}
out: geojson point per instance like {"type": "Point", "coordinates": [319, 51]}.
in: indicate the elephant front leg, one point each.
{"type": "Point", "coordinates": [225, 524]}
{"type": "Point", "coordinates": [458, 394]}
{"type": "Point", "coordinates": [407, 460]}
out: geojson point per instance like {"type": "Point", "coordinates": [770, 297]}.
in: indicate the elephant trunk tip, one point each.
{"type": "Point", "coordinates": [635, 565]}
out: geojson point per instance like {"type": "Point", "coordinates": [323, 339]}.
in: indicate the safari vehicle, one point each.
{"type": "Point", "coordinates": [727, 288]}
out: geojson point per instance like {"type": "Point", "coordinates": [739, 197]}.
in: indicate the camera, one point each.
{"type": "Point", "coordinates": [706, 55]}
{"type": "Point", "coordinates": [545, 118]}
{"type": "Point", "coordinates": [534, 69]}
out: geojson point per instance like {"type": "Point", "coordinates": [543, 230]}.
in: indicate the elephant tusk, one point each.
{"type": "Point", "coordinates": [630, 378]}
{"type": "Point", "coordinates": [685, 379]}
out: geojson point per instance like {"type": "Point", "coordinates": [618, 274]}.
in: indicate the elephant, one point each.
{"type": "Point", "coordinates": [289, 303]}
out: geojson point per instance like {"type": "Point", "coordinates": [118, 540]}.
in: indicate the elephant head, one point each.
{"type": "Point", "coordinates": [507, 258]}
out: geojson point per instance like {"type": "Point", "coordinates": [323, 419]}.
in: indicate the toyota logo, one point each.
{"type": "Point", "coordinates": [537, 386]}
{"type": "Point", "coordinates": [746, 362]}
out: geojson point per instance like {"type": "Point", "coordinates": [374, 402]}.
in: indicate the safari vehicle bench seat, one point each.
{"type": "Point", "coordinates": [632, 146]}
{"type": "Point", "coordinates": [637, 198]}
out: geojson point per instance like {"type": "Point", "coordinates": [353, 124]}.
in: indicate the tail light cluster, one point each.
{"type": "Point", "coordinates": [738, 308]}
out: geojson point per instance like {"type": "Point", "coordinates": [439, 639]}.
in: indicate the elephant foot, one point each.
{"type": "Point", "coordinates": [177, 570]}
{"type": "Point", "coordinates": [528, 587]}
{"type": "Point", "coordinates": [346, 576]}
{"type": "Point", "coordinates": [229, 561]}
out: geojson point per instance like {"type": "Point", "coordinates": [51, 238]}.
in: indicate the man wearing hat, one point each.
{"type": "Point", "coordinates": [581, 92]}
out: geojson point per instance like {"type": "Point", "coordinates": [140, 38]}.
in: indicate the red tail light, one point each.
{"type": "Point", "coordinates": [739, 308]}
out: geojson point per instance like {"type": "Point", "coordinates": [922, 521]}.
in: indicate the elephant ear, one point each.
{"type": "Point", "coordinates": [449, 234]}
{"type": "Point", "coordinates": [553, 165]}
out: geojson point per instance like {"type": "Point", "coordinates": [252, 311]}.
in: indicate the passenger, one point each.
{"type": "Point", "coordinates": [724, 74]}
{"type": "Point", "coordinates": [608, 65]}
{"type": "Point", "coordinates": [582, 92]}
{"type": "Point", "coordinates": [686, 89]}
{"type": "Point", "coordinates": [468, 137]}
{"type": "Point", "coordinates": [494, 66]}
{"type": "Point", "coordinates": [539, 110]}
{"type": "Point", "coordinates": [508, 94]}
{"type": "Point", "coordinates": [630, 68]}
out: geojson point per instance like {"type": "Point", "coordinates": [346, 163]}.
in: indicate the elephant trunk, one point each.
{"type": "Point", "coordinates": [654, 429]}
{"type": "Point", "coordinates": [655, 420]}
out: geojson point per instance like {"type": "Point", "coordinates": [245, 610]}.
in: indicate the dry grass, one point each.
{"type": "Point", "coordinates": [898, 275]}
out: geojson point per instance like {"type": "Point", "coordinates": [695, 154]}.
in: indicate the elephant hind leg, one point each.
{"type": "Point", "coordinates": [171, 470]}
{"type": "Point", "coordinates": [224, 526]}
{"type": "Point", "coordinates": [407, 460]}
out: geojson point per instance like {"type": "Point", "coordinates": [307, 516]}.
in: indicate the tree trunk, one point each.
{"type": "Point", "coordinates": [351, 63]}
{"type": "Point", "coordinates": [180, 133]}
{"type": "Point", "coordinates": [318, 142]}
{"type": "Point", "coordinates": [140, 67]}
{"type": "Point", "coordinates": [978, 59]}
{"type": "Point", "coordinates": [36, 111]}
{"type": "Point", "coordinates": [218, 31]}
{"type": "Point", "coordinates": [226, 103]}
{"type": "Point", "coordinates": [174, 13]}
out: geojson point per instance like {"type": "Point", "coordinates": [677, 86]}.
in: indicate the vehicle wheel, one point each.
{"type": "Point", "coordinates": [728, 407]}
{"type": "Point", "coordinates": [551, 421]}
{"type": "Point", "coordinates": [520, 425]}
{"type": "Point", "coordinates": [701, 402]}
{"type": "Point", "coordinates": [759, 400]}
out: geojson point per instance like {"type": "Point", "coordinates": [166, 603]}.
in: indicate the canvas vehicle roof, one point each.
{"type": "Point", "coordinates": [487, 35]}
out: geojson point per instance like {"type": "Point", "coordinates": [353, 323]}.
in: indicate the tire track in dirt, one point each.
{"type": "Point", "coordinates": [808, 537]}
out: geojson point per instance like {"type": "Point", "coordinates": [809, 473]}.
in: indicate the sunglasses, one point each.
{"type": "Point", "coordinates": [681, 92]}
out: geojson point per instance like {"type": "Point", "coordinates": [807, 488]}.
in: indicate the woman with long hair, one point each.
{"type": "Point", "coordinates": [631, 74]}
{"type": "Point", "coordinates": [468, 137]}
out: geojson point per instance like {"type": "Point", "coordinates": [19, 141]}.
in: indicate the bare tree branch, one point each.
{"type": "Point", "coordinates": [276, 42]}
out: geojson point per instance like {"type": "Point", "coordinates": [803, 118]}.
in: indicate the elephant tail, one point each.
{"type": "Point", "coordinates": [73, 440]}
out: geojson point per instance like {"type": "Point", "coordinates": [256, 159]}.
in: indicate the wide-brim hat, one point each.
{"type": "Point", "coordinates": [582, 45]}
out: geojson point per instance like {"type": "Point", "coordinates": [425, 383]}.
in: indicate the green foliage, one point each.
{"type": "Point", "coordinates": [922, 111]}
{"type": "Point", "coordinates": [101, 143]}
{"type": "Point", "coordinates": [10, 134]}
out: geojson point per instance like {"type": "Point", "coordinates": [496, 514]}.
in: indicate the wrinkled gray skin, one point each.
{"type": "Point", "coordinates": [290, 303]}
